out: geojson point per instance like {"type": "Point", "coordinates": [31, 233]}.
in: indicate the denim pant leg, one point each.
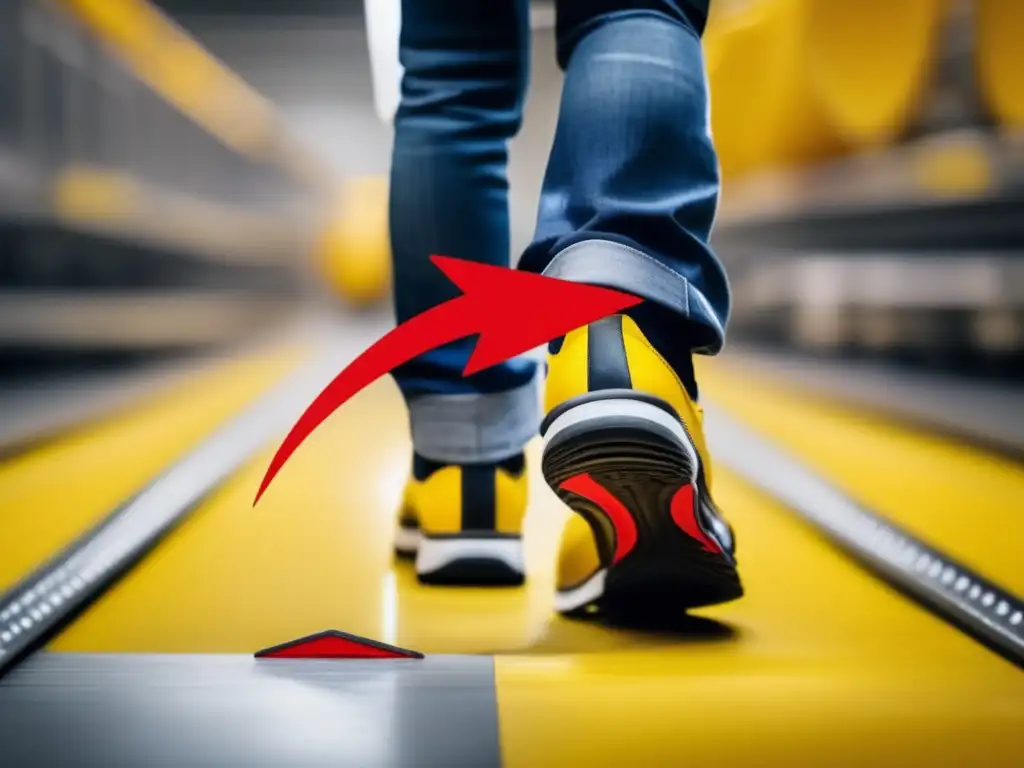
{"type": "Point", "coordinates": [466, 68]}
{"type": "Point", "coordinates": [632, 184]}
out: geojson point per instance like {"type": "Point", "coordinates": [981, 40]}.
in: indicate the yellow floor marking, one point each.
{"type": "Point", "coordinates": [315, 554]}
{"type": "Point", "coordinates": [966, 502]}
{"type": "Point", "coordinates": [50, 495]}
{"type": "Point", "coordinates": [819, 664]}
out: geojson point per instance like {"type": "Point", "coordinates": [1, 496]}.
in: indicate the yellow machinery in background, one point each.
{"type": "Point", "coordinates": [351, 248]}
{"type": "Point", "coordinates": [858, 137]}
{"type": "Point", "coordinates": [141, 178]}
{"type": "Point", "coordinates": [799, 81]}
{"type": "Point", "coordinates": [793, 83]}
{"type": "Point", "coordinates": [354, 252]}
{"type": "Point", "coordinates": [181, 71]}
{"type": "Point", "coordinates": [224, 206]}
{"type": "Point", "coordinates": [763, 110]}
{"type": "Point", "coordinates": [870, 63]}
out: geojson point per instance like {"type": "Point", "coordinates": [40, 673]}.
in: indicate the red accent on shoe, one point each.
{"type": "Point", "coordinates": [333, 644]}
{"type": "Point", "coordinates": [684, 514]}
{"type": "Point", "coordinates": [625, 526]}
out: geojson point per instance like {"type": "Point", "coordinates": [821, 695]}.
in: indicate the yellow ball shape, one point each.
{"type": "Point", "coordinates": [355, 250]}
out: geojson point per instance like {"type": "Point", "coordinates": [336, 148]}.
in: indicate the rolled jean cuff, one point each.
{"type": "Point", "coordinates": [475, 428]}
{"type": "Point", "coordinates": [614, 265]}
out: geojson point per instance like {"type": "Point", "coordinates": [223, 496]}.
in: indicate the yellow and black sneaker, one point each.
{"type": "Point", "coordinates": [463, 523]}
{"type": "Point", "coordinates": [624, 448]}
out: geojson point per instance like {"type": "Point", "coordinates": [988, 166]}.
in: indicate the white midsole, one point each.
{"type": "Point", "coordinates": [584, 594]}
{"type": "Point", "coordinates": [636, 409]}
{"type": "Point", "coordinates": [435, 554]}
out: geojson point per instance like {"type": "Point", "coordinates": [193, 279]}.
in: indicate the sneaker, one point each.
{"type": "Point", "coordinates": [624, 449]}
{"type": "Point", "coordinates": [463, 523]}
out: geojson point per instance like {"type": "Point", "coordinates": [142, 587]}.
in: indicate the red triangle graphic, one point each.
{"type": "Point", "coordinates": [333, 644]}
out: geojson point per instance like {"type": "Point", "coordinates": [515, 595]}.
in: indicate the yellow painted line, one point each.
{"type": "Point", "coordinates": [314, 554]}
{"type": "Point", "coordinates": [51, 495]}
{"type": "Point", "coordinates": [819, 664]}
{"type": "Point", "coordinates": [963, 501]}
{"type": "Point", "coordinates": [817, 650]}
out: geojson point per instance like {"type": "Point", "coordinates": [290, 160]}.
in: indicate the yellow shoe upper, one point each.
{"type": "Point", "coordinates": [569, 374]}
{"type": "Point", "coordinates": [455, 499]}
{"type": "Point", "coordinates": [578, 558]}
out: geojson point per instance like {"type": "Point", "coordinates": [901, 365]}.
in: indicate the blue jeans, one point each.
{"type": "Point", "coordinates": [628, 199]}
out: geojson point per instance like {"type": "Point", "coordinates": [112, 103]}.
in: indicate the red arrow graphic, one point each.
{"type": "Point", "coordinates": [512, 312]}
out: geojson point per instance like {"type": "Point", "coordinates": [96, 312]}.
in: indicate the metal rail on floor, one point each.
{"type": "Point", "coordinates": [956, 593]}
{"type": "Point", "coordinates": [38, 607]}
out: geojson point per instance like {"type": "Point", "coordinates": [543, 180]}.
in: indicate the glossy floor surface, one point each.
{"type": "Point", "coordinates": [820, 663]}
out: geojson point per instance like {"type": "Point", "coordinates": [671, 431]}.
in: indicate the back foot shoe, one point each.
{"type": "Point", "coordinates": [462, 524]}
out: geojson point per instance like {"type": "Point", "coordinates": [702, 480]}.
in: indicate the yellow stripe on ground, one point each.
{"type": "Point", "coordinates": [51, 495]}
{"type": "Point", "coordinates": [819, 664]}
{"type": "Point", "coordinates": [964, 501]}
{"type": "Point", "coordinates": [314, 554]}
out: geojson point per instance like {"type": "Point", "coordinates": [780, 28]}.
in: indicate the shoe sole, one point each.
{"type": "Point", "coordinates": [461, 559]}
{"type": "Point", "coordinates": [626, 464]}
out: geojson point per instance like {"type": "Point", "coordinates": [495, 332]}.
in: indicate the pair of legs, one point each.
{"type": "Point", "coordinates": [628, 202]}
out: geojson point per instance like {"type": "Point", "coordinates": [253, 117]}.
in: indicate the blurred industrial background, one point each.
{"type": "Point", "coordinates": [193, 240]}
{"type": "Point", "coordinates": [169, 175]}
{"type": "Point", "coordinates": [188, 172]}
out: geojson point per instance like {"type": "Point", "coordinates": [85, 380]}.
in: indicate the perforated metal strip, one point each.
{"type": "Point", "coordinates": [987, 611]}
